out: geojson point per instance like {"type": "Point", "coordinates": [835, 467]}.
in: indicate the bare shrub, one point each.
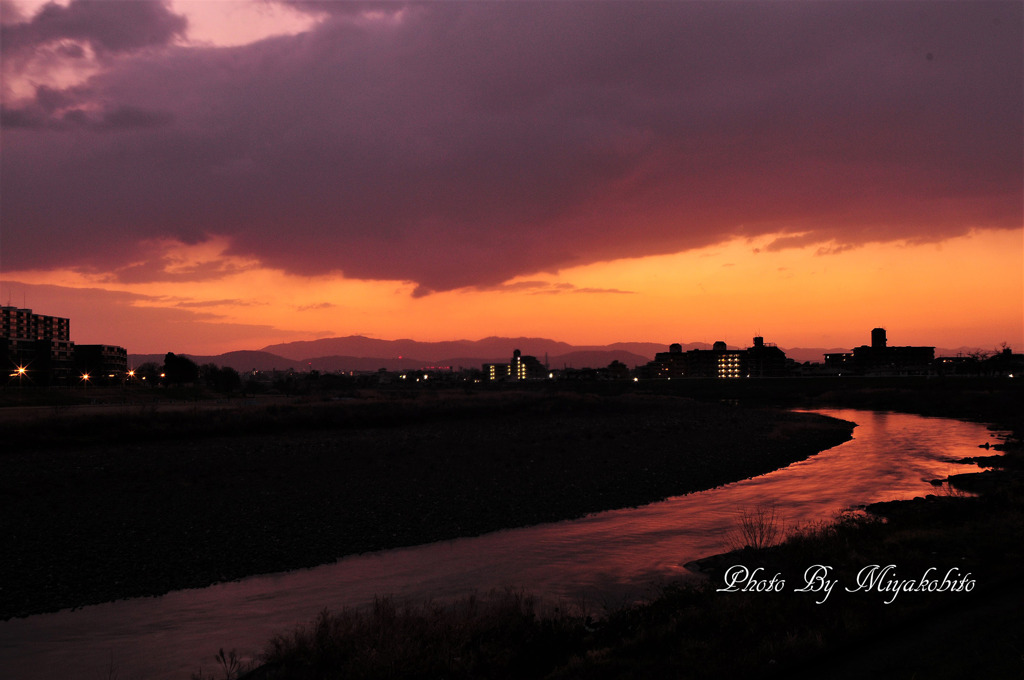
{"type": "Point", "coordinates": [758, 528]}
{"type": "Point", "coordinates": [231, 667]}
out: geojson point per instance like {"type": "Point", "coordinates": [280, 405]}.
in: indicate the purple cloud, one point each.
{"type": "Point", "coordinates": [108, 27]}
{"type": "Point", "coordinates": [464, 144]}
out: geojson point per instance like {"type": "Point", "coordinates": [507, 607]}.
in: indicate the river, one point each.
{"type": "Point", "coordinates": [605, 559]}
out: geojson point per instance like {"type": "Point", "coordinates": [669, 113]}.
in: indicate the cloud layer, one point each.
{"type": "Point", "coordinates": [464, 144]}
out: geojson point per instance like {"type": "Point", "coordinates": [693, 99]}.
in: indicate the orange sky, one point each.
{"type": "Point", "coordinates": [967, 291]}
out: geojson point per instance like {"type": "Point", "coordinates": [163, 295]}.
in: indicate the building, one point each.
{"type": "Point", "coordinates": [521, 367]}
{"type": "Point", "coordinates": [1003, 363]}
{"type": "Point", "coordinates": [526, 367]}
{"type": "Point", "coordinates": [667, 365]}
{"type": "Point", "coordinates": [37, 349]}
{"type": "Point", "coordinates": [1006, 364]}
{"type": "Point", "coordinates": [765, 360]}
{"type": "Point", "coordinates": [879, 358]}
{"type": "Point", "coordinates": [495, 371]}
{"type": "Point", "coordinates": [103, 363]}
{"type": "Point", "coordinates": [23, 324]}
{"type": "Point", "coordinates": [758, 361]}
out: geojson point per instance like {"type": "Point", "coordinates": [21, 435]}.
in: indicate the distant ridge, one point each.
{"type": "Point", "coordinates": [456, 353]}
{"type": "Point", "coordinates": [359, 353]}
{"type": "Point", "coordinates": [491, 347]}
{"type": "Point", "coordinates": [241, 360]}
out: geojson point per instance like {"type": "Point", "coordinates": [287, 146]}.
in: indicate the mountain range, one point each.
{"type": "Point", "coordinates": [359, 353]}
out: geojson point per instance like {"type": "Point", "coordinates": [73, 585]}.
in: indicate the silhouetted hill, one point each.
{"type": "Point", "coordinates": [241, 361]}
{"type": "Point", "coordinates": [354, 352]}
{"type": "Point", "coordinates": [246, 360]}
{"type": "Point", "coordinates": [596, 359]}
{"type": "Point", "coordinates": [359, 346]}
{"type": "Point", "coordinates": [358, 353]}
{"type": "Point", "coordinates": [349, 363]}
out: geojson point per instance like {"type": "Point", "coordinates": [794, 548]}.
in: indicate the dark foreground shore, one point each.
{"type": "Point", "coordinates": [96, 508]}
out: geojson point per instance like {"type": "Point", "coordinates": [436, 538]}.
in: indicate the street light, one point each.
{"type": "Point", "coordinates": [85, 380]}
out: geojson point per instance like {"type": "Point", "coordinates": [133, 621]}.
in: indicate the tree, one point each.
{"type": "Point", "coordinates": [221, 379]}
{"type": "Point", "coordinates": [179, 370]}
{"type": "Point", "coordinates": [149, 373]}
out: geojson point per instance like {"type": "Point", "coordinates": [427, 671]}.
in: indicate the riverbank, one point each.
{"type": "Point", "coordinates": [897, 626]}
{"type": "Point", "coordinates": [968, 628]}
{"type": "Point", "coordinates": [134, 503]}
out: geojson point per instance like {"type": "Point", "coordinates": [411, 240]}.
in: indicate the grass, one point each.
{"type": "Point", "coordinates": [502, 635]}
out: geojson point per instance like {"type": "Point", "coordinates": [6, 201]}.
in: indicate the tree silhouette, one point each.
{"type": "Point", "coordinates": [179, 369]}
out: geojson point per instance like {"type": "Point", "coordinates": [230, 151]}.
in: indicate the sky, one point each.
{"type": "Point", "coordinates": [201, 176]}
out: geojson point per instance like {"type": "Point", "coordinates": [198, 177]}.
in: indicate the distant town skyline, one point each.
{"type": "Point", "coordinates": [206, 177]}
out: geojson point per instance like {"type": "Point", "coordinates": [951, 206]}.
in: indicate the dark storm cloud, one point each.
{"type": "Point", "coordinates": [120, 118]}
{"type": "Point", "coordinates": [350, 9]}
{"type": "Point", "coordinates": [463, 144]}
{"type": "Point", "coordinates": [109, 27]}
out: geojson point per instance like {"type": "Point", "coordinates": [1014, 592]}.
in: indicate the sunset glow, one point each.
{"type": "Point", "coordinates": [731, 291]}
{"type": "Point", "coordinates": [203, 177]}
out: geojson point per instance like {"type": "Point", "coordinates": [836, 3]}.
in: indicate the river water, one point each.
{"type": "Point", "coordinates": [605, 559]}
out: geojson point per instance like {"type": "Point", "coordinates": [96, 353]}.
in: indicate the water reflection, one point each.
{"type": "Point", "coordinates": [604, 559]}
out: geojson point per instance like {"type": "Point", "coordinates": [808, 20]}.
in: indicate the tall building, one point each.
{"type": "Point", "coordinates": [38, 348]}
{"type": "Point", "coordinates": [23, 324]}
{"type": "Point", "coordinates": [526, 367]}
